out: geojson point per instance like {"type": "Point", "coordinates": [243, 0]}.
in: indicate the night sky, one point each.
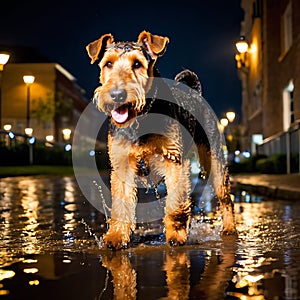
{"type": "Point", "coordinates": [202, 38]}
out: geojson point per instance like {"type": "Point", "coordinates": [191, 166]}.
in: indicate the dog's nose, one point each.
{"type": "Point", "coordinates": [118, 95]}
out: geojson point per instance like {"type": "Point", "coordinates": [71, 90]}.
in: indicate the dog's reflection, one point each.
{"type": "Point", "coordinates": [167, 274]}
{"type": "Point", "coordinates": [123, 275]}
{"type": "Point", "coordinates": [177, 267]}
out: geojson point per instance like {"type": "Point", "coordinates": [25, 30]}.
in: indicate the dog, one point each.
{"type": "Point", "coordinates": [130, 92]}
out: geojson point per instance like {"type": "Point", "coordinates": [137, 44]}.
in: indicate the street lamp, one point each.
{"type": "Point", "coordinates": [4, 57]}
{"type": "Point", "coordinates": [224, 122]}
{"type": "Point", "coordinates": [28, 80]}
{"type": "Point", "coordinates": [242, 45]}
{"type": "Point", "coordinates": [230, 115]}
{"type": "Point", "coordinates": [242, 48]}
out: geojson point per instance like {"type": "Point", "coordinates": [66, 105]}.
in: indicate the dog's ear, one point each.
{"type": "Point", "coordinates": [156, 45]}
{"type": "Point", "coordinates": [96, 49]}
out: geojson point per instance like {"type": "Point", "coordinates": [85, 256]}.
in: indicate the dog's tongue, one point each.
{"type": "Point", "coordinates": [120, 114]}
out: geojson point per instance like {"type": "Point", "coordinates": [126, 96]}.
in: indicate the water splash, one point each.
{"type": "Point", "coordinates": [106, 208]}
{"type": "Point", "coordinates": [88, 229]}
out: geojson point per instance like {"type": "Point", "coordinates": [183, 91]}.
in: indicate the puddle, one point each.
{"type": "Point", "coordinates": [50, 248]}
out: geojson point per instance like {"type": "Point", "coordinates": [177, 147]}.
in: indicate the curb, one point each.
{"type": "Point", "coordinates": [271, 191]}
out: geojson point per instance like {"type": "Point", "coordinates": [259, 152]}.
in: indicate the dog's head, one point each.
{"type": "Point", "coordinates": [126, 72]}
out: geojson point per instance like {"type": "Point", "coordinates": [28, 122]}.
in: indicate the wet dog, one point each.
{"type": "Point", "coordinates": [146, 140]}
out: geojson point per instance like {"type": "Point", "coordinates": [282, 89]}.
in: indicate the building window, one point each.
{"type": "Point", "coordinates": [287, 29]}
{"type": "Point", "coordinates": [288, 106]}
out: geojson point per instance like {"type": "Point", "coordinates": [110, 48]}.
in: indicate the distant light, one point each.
{"type": "Point", "coordinates": [236, 159]}
{"type": "Point", "coordinates": [28, 79]}
{"type": "Point", "coordinates": [67, 133]}
{"type": "Point", "coordinates": [28, 131]}
{"type": "Point", "coordinates": [246, 154]}
{"type": "Point", "coordinates": [257, 139]}
{"type": "Point", "coordinates": [237, 152]}
{"type": "Point", "coordinates": [230, 115]}
{"type": "Point", "coordinates": [242, 45]}
{"type": "Point", "coordinates": [290, 87]}
{"type": "Point", "coordinates": [7, 127]}
{"type": "Point", "coordinates": [11, 135]}
{"type": "Point", "coordinates": [30, 270]}
{"type": "Point", "coordinates": [4, 57]}
{"type": "Point", "coordinates": [247, 198]}
{"type": "Point", "coordinates": [224, 122]}
{"type": "Point", "coordinates": [68, 147]}
{"type": "Point", "coordinates": [92, 153]}
{"type": "Point", "coordinates": [32, 140]}
{"type": "Point", "coordinates": [49, 138]}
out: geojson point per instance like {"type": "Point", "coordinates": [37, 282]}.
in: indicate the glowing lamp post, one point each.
{"type": "Point", "coordinates": [230, 115]}
{"type": "Point", "coordinates": [242, 45]}
{"type": "Point", "coordinates": [28, 80]}
{"type": "Point", "coordinates": [224, 122]}
{"type": "Point", "coordinates": [242, 48]}
{"type": "Point", "coordinates": [4, 57]}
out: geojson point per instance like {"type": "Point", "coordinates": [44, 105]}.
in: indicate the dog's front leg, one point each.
{"type": "Point", "coordinates": [123, 190]}
{"type": "Point", "coordinates": [123, 193]}
{"type": "Point", "coordinates": [178, 203]}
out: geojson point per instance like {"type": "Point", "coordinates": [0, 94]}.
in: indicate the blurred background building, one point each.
{"type": "Point", "coordinates": [268, 63]}
{"type": "Point", "coordinates": [50, 104]}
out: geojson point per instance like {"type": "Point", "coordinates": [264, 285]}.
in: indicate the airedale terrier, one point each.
{"type": "Point", "coordinates": [130, 94]}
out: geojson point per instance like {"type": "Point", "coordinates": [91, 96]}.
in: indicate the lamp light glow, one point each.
{"type": "Point", "coordinates": [28, 131]}
{"type": "Point", "coordinates": [4, 57]}
{"type": "Point", "coordinates": [66, 133]}
{"type": "Point", "coordinates": [242, 45]}
{"type": "Point", "coordinates": [7, 127]}
{"type": "Point", "coordinates": [28, 79]}
{"type": "Point", "coordinates": [224, 122]}
{"type": "Point", "coordinates": [49, 138]}
{"type": "Point", "coordinates": [230, 115]}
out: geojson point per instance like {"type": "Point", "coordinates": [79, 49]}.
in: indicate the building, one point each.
{"type": "Point", "coordinates": [52, 103]}
{"type": "Point", "coordinates": [270, 73]}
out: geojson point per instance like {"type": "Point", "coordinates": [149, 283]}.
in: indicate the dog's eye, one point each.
{"type": "Point", "coordinates": [136, 65]}
{"type": "Point", "coordinates": [108, 64]}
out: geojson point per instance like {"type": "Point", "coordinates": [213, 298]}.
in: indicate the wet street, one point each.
{"type": "Point", "coordinates": [51, 248]}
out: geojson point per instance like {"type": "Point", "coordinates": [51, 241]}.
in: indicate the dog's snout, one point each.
{"type": "Point", "coordinates": [118, 95]}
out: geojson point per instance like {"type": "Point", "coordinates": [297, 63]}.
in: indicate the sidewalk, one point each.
{"type": "Point", "coordinates": [281, 186]}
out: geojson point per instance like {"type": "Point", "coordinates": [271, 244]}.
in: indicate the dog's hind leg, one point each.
{"type": "Point", "coordinates": [221, 183]}
{"type": "Point", "coordinates": [226, 205]}
{"type": "Point", "coordinates": [178, 203]}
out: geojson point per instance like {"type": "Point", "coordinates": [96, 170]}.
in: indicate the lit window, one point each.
{"type": "Point", "coordinates": [287, 29]}
{"type": "Point", "coordinates": [288, 106]}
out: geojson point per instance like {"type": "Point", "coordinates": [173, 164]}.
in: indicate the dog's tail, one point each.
{"type": "Point", "coordinates": [190, 79]}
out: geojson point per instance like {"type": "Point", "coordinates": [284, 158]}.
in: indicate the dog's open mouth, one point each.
{"type": "Point", "coordinates": [120, 114]}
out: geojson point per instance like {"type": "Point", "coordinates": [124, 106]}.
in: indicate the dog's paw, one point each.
{"type": "Point", "coordinates": [229, 231]}
{"type": "Point", "coordinates": [114, 242]}
{"type": "Point", "coordinates": [174, 243]}
{"type": "Point", "coordinates": [118, 235]}
{"type": "Point", "coordinates": [176, 237]}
